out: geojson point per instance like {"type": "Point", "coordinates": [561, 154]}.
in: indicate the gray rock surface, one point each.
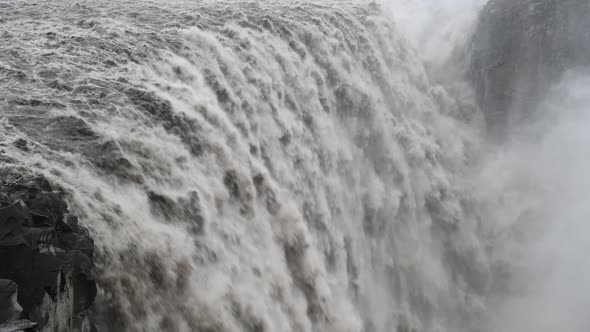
{"type": "Point", "coordinates": [519, 49]}
{"type": "Point", "coordinates": [45, 255]}
{"type": "Point", "coordinates": [9, 308]}
{"type": "Point", "coordinates": [21, 325]}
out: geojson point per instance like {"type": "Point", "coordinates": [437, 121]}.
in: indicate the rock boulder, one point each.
{"type": "Point", "coordinates": [44, 254]}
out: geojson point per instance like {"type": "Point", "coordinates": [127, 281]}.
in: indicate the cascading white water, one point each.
{"type": "Point", "coordinates": [261, 166]}
{"type": "Point", "coordinates": [252, 166]}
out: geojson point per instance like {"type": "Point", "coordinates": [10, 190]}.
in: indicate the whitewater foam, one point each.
{"type": "Point", "coordinates": [251, 166]}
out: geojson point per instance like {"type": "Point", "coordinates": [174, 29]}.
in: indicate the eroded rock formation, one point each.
{"type": "Point", "coordinates": [46, 259]}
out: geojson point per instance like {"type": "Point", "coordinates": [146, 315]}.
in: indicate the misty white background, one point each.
{"type": "Point", "coordinates": [435, 27]}
{"type": "Point", "coordinates": [540, 182]}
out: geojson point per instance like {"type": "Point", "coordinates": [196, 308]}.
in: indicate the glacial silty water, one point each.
{"type": "Point", "coordinates": [250, 166]}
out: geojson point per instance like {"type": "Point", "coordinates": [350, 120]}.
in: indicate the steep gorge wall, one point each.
{"type": "Point", "coordinates": [520, 48]}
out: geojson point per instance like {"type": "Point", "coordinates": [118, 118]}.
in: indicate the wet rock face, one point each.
{"type": "Point", "coordinates": [46, 258]}
{"type": "Point", "coordinates": [9, 308]}
{"type": "Point", "coordinates": [520, 48]}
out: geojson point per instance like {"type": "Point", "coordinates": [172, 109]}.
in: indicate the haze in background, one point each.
{"type": "Point", "coordinates": [541, 182]}
{"type": "Point", "coordinates": [435, 27]}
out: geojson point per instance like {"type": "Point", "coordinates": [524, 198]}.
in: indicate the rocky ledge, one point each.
{"type": "Point", "coordinates": [46, 261]}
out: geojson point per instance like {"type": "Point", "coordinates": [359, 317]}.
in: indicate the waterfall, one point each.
{"type": "Point", "coordinates": [273, 165]}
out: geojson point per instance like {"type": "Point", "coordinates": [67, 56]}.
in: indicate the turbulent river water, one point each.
{"type": "Point", "coordinates": [285, 166]}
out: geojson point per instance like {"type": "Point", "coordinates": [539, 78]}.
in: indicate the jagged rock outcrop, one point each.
{"type": "Point", "coordinates": [9, 308]}
{"type": "Point", "coordinates": [520, 48]}
{"type": "Point", "coordinates": [46, 259]}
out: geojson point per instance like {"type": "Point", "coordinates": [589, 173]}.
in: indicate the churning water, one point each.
{"type": "Point", "coordinates": [285, 166]}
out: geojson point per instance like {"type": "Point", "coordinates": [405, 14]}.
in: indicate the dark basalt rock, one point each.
{"type": "Point", "coordinates": [22, 325]}
{"type": "Point", "coordinates": [522, 47]}
{"type": "Point", "coordinates": [9, 308]}
{"type": "Point", "coordinates": [45, 254]}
